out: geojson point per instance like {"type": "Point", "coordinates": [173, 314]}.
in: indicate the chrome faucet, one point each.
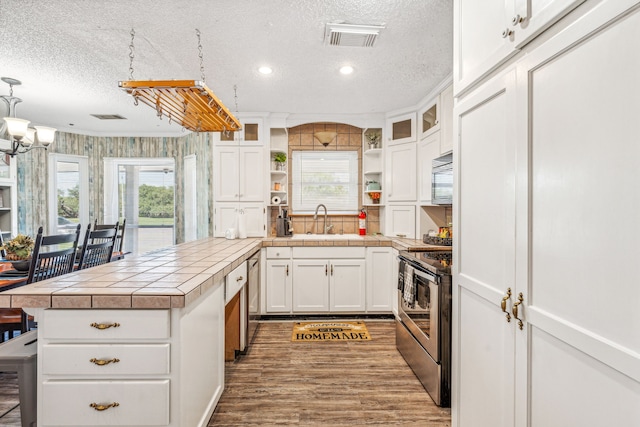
{"type": "Point", "coordinates": [324, 224]}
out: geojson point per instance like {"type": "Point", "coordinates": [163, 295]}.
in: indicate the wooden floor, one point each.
{"type": "Point", "coordinates": [361, 383]}
{"type": "Point", "coordinates": [282, 383]}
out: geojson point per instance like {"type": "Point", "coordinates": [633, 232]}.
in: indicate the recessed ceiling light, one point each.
{"type": "Point", "coordinates": [347, 69]}
{"type": "Point", "coordinates": [265, 70]}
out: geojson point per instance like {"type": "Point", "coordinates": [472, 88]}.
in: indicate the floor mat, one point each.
{"type": "Point", "coordinates": [330, 331]}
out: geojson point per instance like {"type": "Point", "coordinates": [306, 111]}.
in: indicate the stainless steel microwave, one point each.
{"type": "Point", "coordinates": [442, 180]}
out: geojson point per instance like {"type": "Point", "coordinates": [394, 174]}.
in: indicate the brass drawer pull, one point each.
{"type": "Point", "coordinates": [99, 407]}
{"type": "Point", "coordinates": [503, 304]}
{"type": "Point", "coordinates": [102, 362]}
{"type": "Point", "coordinates": [514, 310]}
{"type": "Point", "coordinates": [240, 278]}
{"type": "Point", "coordinates": [103, 326]}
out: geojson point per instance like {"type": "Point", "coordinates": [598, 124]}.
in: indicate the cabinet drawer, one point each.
{"type": "Point", "coordinates": [235, 281]}
{"type": "Point", "coordinates": [123, 359]}
{"type": "Point", "coordinates": [139, 403]}
{"type": "Point", "coordinates": [118, 324]}
{"type": "Point", "coordinates": [279, 252]}
{"type": "Point", "coordinates": [329, 252]}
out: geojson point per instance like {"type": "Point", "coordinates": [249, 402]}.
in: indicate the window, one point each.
{"type": "Point", "coordinates": [330, 178]}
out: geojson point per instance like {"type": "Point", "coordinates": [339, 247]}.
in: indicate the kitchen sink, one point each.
{"type": "Point", "coordinates": [327, 236]}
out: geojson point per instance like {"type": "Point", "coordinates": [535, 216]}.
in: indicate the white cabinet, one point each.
{"type": "Point", "coordinates": [543, 137]}
{"type": "Point", "coordinates": [311, 285]}
{"type": "Point", "coordinates": [400, 221]}
{"type": "Point", "coordinates": [278, 285]}
{"type": "Point", "coordinates": [347, 285]}
{"type": "Point", "coordinates": [446, 120]}
{"type": "Point", "coordinates": [251, 133]}
{"type": "Point", "coordinates": [428, 149]}
{"type": "Point", "coordinates": [329, 285]}
{"type": "Point", "coordinates": [381, 282]}
{"type": "Point", "coordinates": [400, 174]}
{"type": "Point", "coordinates": [489, 32]}
{"type": "Point", "coordinates": [250, 216]}
{"type": "Point", "coordinates": [429, 118]}
{"type": "Point", "coordinates": [401, 129]}
{"type": "Point", "coordinates": [132, 367]}
{"type": "Point", "coordinates": [237, 171]}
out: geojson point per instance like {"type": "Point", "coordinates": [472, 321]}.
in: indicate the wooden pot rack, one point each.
{"type": "Point", "coordinates": [188, 102]}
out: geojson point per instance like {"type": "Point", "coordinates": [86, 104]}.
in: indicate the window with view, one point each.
{"type": "Point", "coordinates": [330, 178]}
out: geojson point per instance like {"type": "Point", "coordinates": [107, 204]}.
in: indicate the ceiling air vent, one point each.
{"type": "Point", "coordinates": [352, 35]}
{"type": "Point", "coordinates": [109, 116]}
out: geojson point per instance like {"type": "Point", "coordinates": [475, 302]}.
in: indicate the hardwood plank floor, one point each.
{"type": "Point", "coordinates": [279, 382]}
{"type": "Point", "coordinates": [360, 383]}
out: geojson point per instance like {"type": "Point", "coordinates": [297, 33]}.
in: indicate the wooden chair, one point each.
{"type": "Point", "coordinates": [53, 255]}
{"type": "Point", "coordinates": [118, 248]}
{"type": "Point", "coordinates": [98, 246]}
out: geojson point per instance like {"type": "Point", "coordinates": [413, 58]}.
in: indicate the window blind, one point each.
{"type": "Point", "coordinates": [330, 178]}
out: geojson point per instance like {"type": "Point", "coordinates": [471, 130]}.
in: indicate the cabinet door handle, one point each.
{"type": "Point", "coordinates": [514, 310]}
{"type": "Point", "coordinates": [102, 326]}
{"type": "Point", "coordinates": [506, 33]}
{"type": "Point", "coordinates": [99, 407]}
{"type": "Point", "coordinates": [326, 270]}
{"type": "Point", "coordinates": [103, 362]}
{"type": "Point", "coordinates": [240, 278]}
{"type": "Point", "coordinates": [332, 269]}
{"type": "Point", "coordinates": [503, 304]}
{"type": "Point", "coordinates": [287, 270]}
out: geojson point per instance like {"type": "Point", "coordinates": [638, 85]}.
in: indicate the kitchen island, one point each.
{"type": "Point", "coordinates": [140, 341]}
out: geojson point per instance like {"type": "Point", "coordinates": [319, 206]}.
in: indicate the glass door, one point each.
{"type": "Point", "coordinates": [69, 190]}
{"type": "Point", "coordinates": [142, 191]}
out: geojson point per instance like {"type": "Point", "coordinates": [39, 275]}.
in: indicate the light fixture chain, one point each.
{"type": "Point", "coordinates": [200, 56]}
{"type": "Point", "coordinates": [131, 54]}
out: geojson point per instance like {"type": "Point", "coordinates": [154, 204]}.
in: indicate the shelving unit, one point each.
{"type": "Point", "coordinates": [371, 167]}
{"type": "Point", "coordinates": [278, 179]}
{"type": "Point", "coordinates": [8, 199]}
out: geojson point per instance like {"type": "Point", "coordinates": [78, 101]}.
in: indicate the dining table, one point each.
{"type": "Point", "coordinates": [11, 278]}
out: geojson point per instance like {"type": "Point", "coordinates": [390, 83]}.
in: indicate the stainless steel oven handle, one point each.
{"type": "Point", "coordinates": [424, 275]}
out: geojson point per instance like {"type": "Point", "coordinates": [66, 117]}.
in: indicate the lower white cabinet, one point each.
{"type": "Point", "coordinates": [135, 367]}
{"type": "Point", "coordinates": [400, 221]}
{"type": "Point", "coordinates": [380, 279]}
{"type": "Point", "coordinates": [278, 286]}
{"type": "Point", "coordinates": [249, 216]}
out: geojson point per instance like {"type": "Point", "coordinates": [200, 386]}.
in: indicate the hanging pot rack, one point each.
{"type": "Point", "coordinates": [187, 102]}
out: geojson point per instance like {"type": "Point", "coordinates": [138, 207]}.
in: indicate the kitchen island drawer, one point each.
{"type": "Point", "coordinates": [106, 359]}
{"type": "Point", "coordinates": [105, 403]}
{"type": "Point", "coordinates": [235, 281]}
{"type": "Point", "coordinates": [112, 325]}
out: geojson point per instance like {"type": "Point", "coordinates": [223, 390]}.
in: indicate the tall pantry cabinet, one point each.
{"type": "Point", "coordinates": [545, 322]}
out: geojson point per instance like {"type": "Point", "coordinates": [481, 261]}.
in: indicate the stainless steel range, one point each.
{"type": "Point", "coordinates": [423, 330]}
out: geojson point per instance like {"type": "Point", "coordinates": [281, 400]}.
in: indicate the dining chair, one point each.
{"type": "Point", "coordinates": [53, 255]}
{"type": "Point", "coordinates": [118, 248]}
{"type": "Point", "coordinates": [97, 247]}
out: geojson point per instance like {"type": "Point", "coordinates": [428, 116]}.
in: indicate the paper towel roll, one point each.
{"type": "Point", "coordinates": [275, 200]}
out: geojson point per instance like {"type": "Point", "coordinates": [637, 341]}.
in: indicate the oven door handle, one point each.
{"type": "Point", "coordinates": [424, 275]}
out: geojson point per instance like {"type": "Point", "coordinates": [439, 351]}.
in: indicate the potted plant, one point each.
{"type": "Point", "coordinates": [373, 138]}
{"type": "Point", "coordinates": [18, 248]}
{"type": "Point", "coordinates": [280, 159]}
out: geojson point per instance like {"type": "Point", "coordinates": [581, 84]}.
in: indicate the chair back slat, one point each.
{"type": "Point", "coordinates": [48, 260]}
{"type": "Point", "coordinates": [119, 245]}
{"type": "Point", "coordinates": [98, 246]}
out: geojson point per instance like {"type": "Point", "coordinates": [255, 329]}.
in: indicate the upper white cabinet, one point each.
{"type": "Point", "coordinates": [429, 118]}
{"type": "Point", "coordinates": [239, 173]}
{"type": "Point", "coordinates": [428, 149]}
{"type": "Point", "coordinates": [251, 133]}
{"type": "Point", "coordinates": [446, 120]}
{"type": "Point", "coordinates": [488, 32]}
{"type": "Point", "coordinates": [401, 129]}
{"type": "Point", "coordinates": [400, 174]}
{"type": "Point", "coordinates": [8, 199]}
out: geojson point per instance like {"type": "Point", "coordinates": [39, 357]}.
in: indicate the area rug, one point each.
{"type": "Point", "coordinates": [330, 331]}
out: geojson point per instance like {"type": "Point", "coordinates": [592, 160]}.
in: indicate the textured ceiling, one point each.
{"type": "Point", "coordinates": [70, 55]}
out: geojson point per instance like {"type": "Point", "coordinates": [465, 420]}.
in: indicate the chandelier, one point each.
{"type": "Point", "coordinates": [21, 137]}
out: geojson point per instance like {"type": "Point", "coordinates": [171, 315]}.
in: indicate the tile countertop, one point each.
{"type": "Point", "coordinates": [168, 278]}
